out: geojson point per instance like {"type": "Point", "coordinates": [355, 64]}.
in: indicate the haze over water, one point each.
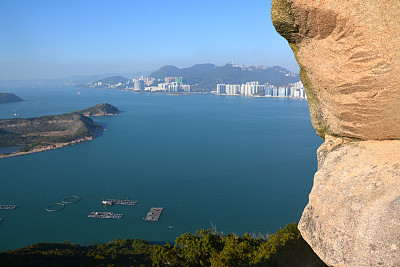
{"type": "Point", "coordinates": [246, 164]}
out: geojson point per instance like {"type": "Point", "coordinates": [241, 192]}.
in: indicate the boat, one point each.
{"type": "Point", "coordinates": [17, 114]}
{"type": "Point", "coordinates": [78, 93]}
{"type": "Point", "coordinates": [107, 202]}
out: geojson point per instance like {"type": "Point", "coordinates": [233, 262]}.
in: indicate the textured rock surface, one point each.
{"type": "Point", "coordinates": [349, 57]}
{"type": "Point", "coordinates": [349, 54]}
{"type": "Point", "coordinates": [353, 217]}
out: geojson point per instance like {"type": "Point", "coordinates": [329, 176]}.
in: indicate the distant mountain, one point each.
{"type": "Point", "coordinates": [207, 76]}
{"type": "Point", "coordinates": [9, 98]}
{"type": "Point", "coordinates": [67, 81]}
{"type": "Point", "coordinates": [114, 80]}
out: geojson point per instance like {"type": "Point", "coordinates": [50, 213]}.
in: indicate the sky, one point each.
{"type": "Point", "coordinates": [53, 39]}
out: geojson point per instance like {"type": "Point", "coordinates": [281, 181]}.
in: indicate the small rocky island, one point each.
{"type": "Point", "coordinates": [9, 98]}
{"type": "Point", "coordinates": [52, 131]}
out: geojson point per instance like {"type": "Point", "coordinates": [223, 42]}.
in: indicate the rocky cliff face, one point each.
{"type": "Point", "coordinates": [349, 55]}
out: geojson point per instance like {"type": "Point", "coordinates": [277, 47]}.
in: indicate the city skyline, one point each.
{"type": "Point", "coordinates": [46, 39]}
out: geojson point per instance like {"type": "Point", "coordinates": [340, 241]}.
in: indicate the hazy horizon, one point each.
{"type": "Point", "coordinates": [47, 39]}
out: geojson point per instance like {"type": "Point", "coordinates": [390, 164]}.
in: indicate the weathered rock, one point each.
{"type": "Point", "coordinates": [349, 57]}
{"type": "Point", "coordinates": [353, 217]}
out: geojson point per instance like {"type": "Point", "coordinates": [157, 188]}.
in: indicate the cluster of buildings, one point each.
{"type": "Point", "coordinates": [295, 90]}
{"type": "Point", "coordinates": [171, 84]}
{"type": "Point", "coordinates": [140, 84]}
{"type": "Point", "coordinates": [134, 84]}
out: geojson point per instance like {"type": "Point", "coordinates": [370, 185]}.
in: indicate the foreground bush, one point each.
{"type": "Point", "coordinates": [206, 248]}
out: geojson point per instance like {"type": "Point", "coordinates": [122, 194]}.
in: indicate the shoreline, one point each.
{"type": "Point", "coordinates": [46, 148]}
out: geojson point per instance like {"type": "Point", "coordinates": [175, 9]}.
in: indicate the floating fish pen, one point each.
{"type": "Point", "coordinates": [125, 202]}
{"type": "Point", "coordinates": [154, 214]}
{"type": "Point", "coordinates": [60, 206]}
{"type": "Point", "coordinates": [71, 200]}
{"type": "Point", "coordinates": [8, 207]}
{"type": "Point", "coordinates": [55, 207]}
{"type": "Point", "coordinates": [105, 215]}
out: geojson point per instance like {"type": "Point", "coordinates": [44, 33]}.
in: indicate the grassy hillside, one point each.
{"type": "Point", "coordinates": [46, 130]}
{"type": "Point", "coordinates": [52, 129]}
{"type": "Point", "coordinates": [99, 110]}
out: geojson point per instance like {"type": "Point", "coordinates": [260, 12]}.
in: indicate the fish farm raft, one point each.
{"type": "Point", "coordinates": [125, 202]}
{"type": "Point", "coordinates": [8, 207]}
{"type": "Point", "coordinates": [154, 214]}
{"type": "Point", "coordinates": [105, 215]}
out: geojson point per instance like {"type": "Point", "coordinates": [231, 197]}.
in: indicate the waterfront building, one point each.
{"type": "Point", "coordinates": [174, 87]}
{"type": "Point", "coordinates": [221, 89]}
{"type": "Point", "coordinates": [295, 90]}
{"type": "Point", "coordinates": [138, 85]}
{"type": "Point", "coordinates": [173, 79]}
{"type": "Point", "coordinates": [275, 91]}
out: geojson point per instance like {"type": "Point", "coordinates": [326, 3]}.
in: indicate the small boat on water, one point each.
{"type": "Point", "coordinates": [17, 114]}
{"type": "Point", "coordinates": [107, 202]}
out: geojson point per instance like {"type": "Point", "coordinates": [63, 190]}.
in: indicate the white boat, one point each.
{"type": "Point", "coordinates": [107, 202]}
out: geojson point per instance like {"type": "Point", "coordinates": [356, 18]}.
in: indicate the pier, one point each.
{"type": "Point", "coordinates": [154, 214]}
{"type": "Point", "coordinates": [125, 202]}
{"type": "Point", "coordinates": [8, 207]}
{"type": "Point", "coordinates": [105, 215]}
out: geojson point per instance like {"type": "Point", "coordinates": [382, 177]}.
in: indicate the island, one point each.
{"type": "Point", "coordinates": [9, 98]}
{"type": "Point", "coordinates": [52, 131]}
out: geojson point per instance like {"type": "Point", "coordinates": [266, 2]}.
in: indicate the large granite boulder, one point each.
{"type": "Point", "coordinates": [353, 216]}
{"type": "Point", "coordinates": [349, 56]}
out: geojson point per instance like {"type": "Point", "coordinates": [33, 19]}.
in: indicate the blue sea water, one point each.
{"type": "Point", "coordinates": [244, 164]}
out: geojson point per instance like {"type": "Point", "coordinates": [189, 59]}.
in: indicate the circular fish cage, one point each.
{"type": "Point", "coordinates": [55, 207]}
{"type": "Point", "coordinates": [71, 200]}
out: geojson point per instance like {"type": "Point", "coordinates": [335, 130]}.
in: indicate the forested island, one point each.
{"type": "Point", "coordinates": [205, 248]}
{"type": "Point", "coordinates": [9, 98]}
{"type": "Point", "coordinates": [52, 131]}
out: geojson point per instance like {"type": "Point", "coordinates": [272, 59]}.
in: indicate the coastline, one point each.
{"type": "Point", "coordinates": [92, 127]}
{"type": "Point", "coordinates": [46, 148]}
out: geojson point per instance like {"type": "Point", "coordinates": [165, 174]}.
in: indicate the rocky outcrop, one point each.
{"type": "Point", "coordinates": [349, 55]}
{"type": "Point", "coordinates": [9, 98]}
{"type": "Point", "coordinates": [353, 217]}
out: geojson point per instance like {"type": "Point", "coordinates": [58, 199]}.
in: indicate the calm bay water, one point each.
{"type": "Point", "coordinates": [246, 164]}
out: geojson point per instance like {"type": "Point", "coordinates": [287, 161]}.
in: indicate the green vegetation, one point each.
{"type": "Point", "coordinates": [99, 110]}
{"type": "Point", "coordinates": [52, 129]}
{"type": "Point", "coordinates": [206, 248]}
{"type": "Point", "coordinates": [8, 98]}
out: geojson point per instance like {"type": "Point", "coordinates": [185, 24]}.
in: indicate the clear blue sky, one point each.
{"type": "Point", "coordinates": [49, 39]}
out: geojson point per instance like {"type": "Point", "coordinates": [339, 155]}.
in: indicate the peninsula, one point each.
{"type": "Point", "coordinates": [52, 131]}
{"type": "Point", "coordinates": [9, 98]}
